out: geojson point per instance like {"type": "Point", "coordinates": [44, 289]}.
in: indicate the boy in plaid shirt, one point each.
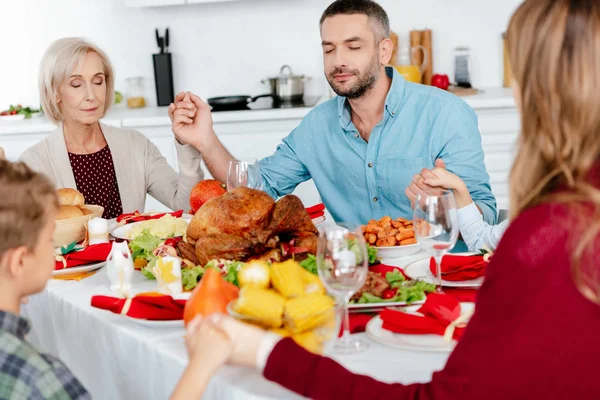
{"type": "Point", "coordinates": [28, 207]}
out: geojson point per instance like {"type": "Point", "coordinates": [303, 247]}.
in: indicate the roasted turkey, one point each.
{"type": "Point", "coordinates": [245, 223]}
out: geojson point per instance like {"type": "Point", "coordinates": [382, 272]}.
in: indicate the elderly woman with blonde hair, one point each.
{"type": "Point", "coordinates": [111, 167]}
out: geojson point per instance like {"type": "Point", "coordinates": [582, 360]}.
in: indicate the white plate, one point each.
{"type": "Point", "coordinates": [16, 117]}
{"type": "Point", "coordinates": [420, 270]}
{"type": "Point", "coordinates": [177, 323]}
{"type": "Point", "coordinates": [368, 307]}
{"type": "Point", "coordinates": [123, 231]}
{"type": "Point", "coordinates": [426, 343]}
{"type": "Point", "coordinates": [372, 307]}
{"type": "Point", "coordinates": [397, 251]}
{"type": "Point", "coordinates": [79, 269]}
{"type": "Point", "coordinates": [319, 220]}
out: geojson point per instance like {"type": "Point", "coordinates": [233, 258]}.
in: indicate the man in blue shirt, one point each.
{"type": "Point", "coordinates": [365, 149]}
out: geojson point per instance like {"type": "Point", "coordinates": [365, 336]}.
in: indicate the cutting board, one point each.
{"type": "Point", "coordinates": [461, 91]}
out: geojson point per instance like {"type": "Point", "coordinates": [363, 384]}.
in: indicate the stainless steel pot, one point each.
{"type": "Point", "coordinates": [286, 86]}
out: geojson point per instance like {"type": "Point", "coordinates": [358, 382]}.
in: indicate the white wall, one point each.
{"type": "Point", "coordinates": [227, 48]}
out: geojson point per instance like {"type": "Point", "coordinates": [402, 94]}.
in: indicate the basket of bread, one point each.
{"type": "Point", "coordinates": [73, 216]}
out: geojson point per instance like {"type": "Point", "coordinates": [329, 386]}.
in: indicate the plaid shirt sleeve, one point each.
{"type": "Point", "coordinates": [57, 383]}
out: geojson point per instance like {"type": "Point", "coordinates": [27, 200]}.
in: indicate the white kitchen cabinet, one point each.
{"type": "Point", "coordinates": [499, 130]}
{"type": "Point", "coordinates": [153, 3]}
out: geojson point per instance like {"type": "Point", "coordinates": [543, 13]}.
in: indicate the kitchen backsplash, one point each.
{"type": "Point", "coordinates": [227, 48]}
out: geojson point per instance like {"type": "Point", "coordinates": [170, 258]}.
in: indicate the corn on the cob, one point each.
{"type": "Point", "coordinates": [261, 305]}
{"type": "Point", "coordinates": [286, 279]}
{"type": "Point", "coordinates": [310, 341]}
{"type": "Point", "coordinates": [307, 312]}
{"type": "Point", "coordinates": [281, 332]}
{"type": "Point", "coordinates": [255, 273]}
{"type": "Point", "coordinates": [312, 282]}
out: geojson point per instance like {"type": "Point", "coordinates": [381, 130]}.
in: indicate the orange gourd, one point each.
{"type": "Point", "coordinates": [211, 295]}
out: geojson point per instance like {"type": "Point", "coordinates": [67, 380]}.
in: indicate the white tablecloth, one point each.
{"type": "Point", "coordinates": [116, 358]}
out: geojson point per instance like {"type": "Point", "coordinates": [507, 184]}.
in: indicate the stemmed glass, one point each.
{"type": "Point", "coordinates": [436, 227]}
{"type": "Point", "coordinates": [343, 264]}
{"type": "Point", "coordinates": [244, 172]}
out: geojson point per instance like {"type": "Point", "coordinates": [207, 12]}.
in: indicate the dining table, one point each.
{"type": "Point", "coordinates": [118, 357]}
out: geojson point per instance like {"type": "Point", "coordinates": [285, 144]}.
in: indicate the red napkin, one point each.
{"type": "Point", "coordinates": [161, 308]}
{"type": "Point", "coordinates": [137, 216]}
{"type": "Point", "coordinates": [438, 312]}
{"type": "Point", "coordinates": [383, 269]}
{"type": "Point", "coordinates": [91, 254]}
{"type": "Point", "coordinates": [460, 268]}
{"type": "Point", "coordinates": [316, 211]}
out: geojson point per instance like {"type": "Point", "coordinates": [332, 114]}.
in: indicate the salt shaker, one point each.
{"type": "Point", "coordinates": [119, 268]}
{"type": "Point", "coordinates": [98, 231]}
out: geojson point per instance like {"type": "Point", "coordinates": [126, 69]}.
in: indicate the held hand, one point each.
{"type": "Point", "coordinates": [442, 178]}
{"type": "Point", "coordinates": [246, 339]}
{"type": "Point", "coordinates": [419, 187]}
{"type": "Point", "coordinates": [208, 347]}
{"type": "Point", "coordinates": [191, 120]}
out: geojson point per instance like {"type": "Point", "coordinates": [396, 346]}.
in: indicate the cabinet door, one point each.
{"type": "Point", "coordinates": [152, 3]}
{"type": "Point", "coordinates": [15, 144]}
{"type": "Point", "coordinates": [499, 131]}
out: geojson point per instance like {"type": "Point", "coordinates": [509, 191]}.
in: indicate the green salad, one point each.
{"type": "Point", "coordinates": [404, 291]}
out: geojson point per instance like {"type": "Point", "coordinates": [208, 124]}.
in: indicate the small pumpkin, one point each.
{"type": "Point", "coordinates": [210, 296]}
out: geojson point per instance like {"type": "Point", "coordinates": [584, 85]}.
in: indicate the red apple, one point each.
{"type": "Point", "coordinates": [441, 81]}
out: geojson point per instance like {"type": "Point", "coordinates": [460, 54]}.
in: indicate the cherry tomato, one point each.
{"type": "Point", "coordinates": [388, 293]}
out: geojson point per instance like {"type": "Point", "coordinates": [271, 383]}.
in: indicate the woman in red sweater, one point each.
{"type": "Point", "coordinates": [536, 331]}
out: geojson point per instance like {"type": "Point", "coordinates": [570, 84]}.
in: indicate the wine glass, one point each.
{"type": "Point", "coordinates": [436, 227]}
{"type": "Point", "coordinates": [343, 264]}
{"type": "Point", "coordinates": [244, 172]}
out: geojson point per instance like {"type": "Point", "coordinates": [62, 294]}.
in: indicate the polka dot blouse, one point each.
{"type": "Point", "coordinates": [96, 180]}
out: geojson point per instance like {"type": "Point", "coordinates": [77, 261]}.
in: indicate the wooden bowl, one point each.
{"type": "Point", "coordinates": [72, 230]}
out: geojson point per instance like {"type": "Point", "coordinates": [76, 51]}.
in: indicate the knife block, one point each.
{"type": "Point", "coordinates": [163, 79]}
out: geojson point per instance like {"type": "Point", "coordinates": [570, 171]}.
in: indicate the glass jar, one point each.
{"type": "Point", "coordinates": [135, 92]}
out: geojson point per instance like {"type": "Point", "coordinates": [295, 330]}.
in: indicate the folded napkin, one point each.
{"type": "Point", "coordinates": [91, 254]}
{"type": "Point", "coordinates": [438, 313]}
{"type": "Point", "coordinates": [316, 211]}
{"type": "Point", "coordinates": [137, 216]}
{"type": "Point", "coordinates": [383, 269]}
{"type": "Point", "coordinates": [77, 276]}
{"type": "Point", "coordinates": [151, 307]}
{"type": "Point", "coordinates": [460, 268]}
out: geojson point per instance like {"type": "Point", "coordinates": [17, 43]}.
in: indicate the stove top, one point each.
{"type": "Point", "coordinates": [267, 103]}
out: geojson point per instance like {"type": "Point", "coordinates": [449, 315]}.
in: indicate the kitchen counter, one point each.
{"type": "Point", "coordinates": [157, 116]}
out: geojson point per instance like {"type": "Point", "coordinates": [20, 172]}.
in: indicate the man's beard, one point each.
{"type": "Point", "coordinates": [365, 82]}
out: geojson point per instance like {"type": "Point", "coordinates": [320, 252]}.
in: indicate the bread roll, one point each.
{"type": "Point", "coordinates": [85, 210]}
{"type": "Point", "coordinates": [70, 197]}
{"type": "Point", "coordinates": [68, 211]}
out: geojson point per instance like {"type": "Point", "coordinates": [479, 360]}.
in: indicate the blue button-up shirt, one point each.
{"type": "Point", "coordinates": [360, 180]}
